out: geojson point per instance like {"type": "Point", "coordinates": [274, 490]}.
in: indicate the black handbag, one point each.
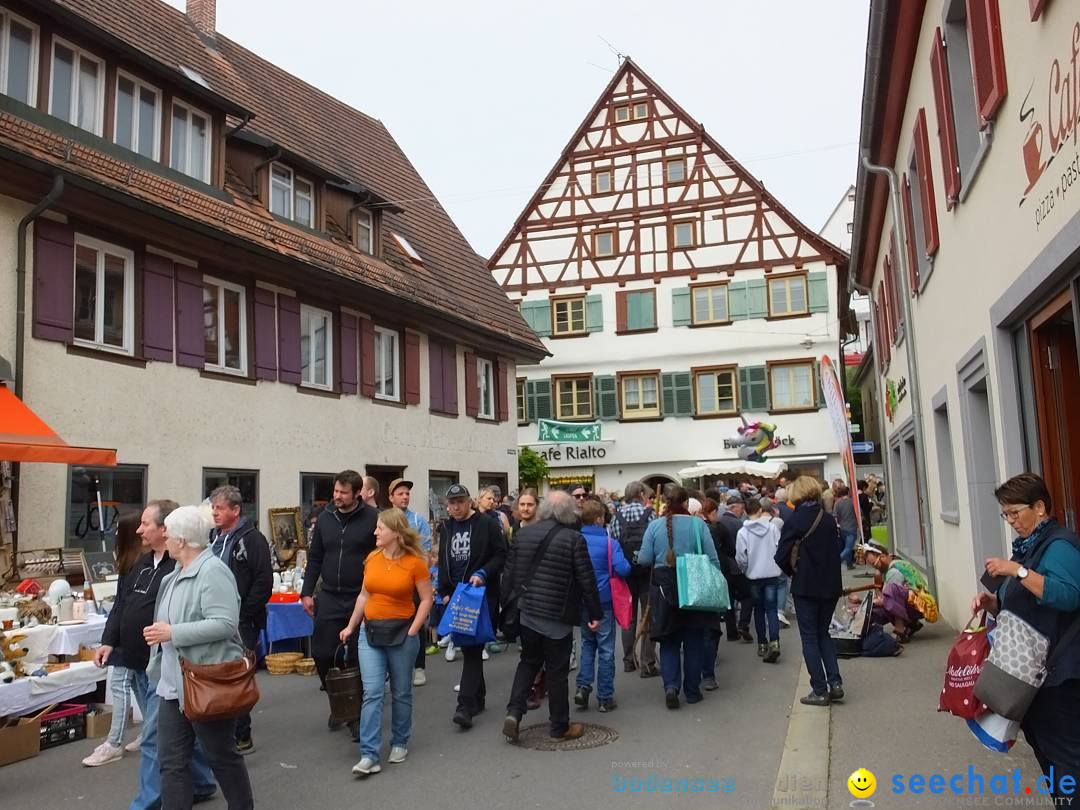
{"type": "Point", "coordinates": [787, 554]}
{"type": "Point", "coordinates": [386, 632]}
{"type": "Point", "coordinates": [511, 609]}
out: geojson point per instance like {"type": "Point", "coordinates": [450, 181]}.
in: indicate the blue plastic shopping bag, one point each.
{"type": "Point", "coordinates": [466, 616]}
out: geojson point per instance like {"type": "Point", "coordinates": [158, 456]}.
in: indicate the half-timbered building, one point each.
{"type": "Point", "coordinates": [675, 295]}
{"type": "Point", "coordinates": [229, 276]}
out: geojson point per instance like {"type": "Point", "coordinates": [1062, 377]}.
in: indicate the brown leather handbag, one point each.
{"type": "Point", "coordinates": [219, 691]}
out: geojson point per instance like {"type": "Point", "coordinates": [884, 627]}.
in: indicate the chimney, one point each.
{"type": "Point", "coordinates": [203, 14]}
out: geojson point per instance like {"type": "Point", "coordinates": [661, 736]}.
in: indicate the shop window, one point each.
{"type": "Point", "coordinates": [225, 326]}
{"type": "Point", "coordinates": [640, 396]}
{"type": "Point", "coordinates": [247, 481]}
{"type": "Point", "coordinates": [316, 492]}
{"type": "Point", "coordinates": [123, 490]}
{"type": "Point", "coordinates": [573, 398]}
{"type": "Point", "coordinates": [104, 295]}
{"type": "Point", "coordinates": [716, 391]}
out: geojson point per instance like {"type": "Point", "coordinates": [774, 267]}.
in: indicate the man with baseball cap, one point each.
{"type": "Point", "coordinates": [471, 549]}
{"type": "Point", "coordinates": [400, 494]}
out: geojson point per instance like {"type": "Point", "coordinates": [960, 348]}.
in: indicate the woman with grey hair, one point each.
{"type": "Point", "coordinates": [196, 618]}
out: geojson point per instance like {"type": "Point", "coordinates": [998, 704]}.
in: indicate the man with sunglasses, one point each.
{"type": "Point", "coordinates": [123, 642]}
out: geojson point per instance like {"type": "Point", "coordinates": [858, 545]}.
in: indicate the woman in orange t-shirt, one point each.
{"type": "Point", "coordinates": [389, 639]}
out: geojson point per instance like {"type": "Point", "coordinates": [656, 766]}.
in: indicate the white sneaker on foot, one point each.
{"type": "Point", "coordinates": [485, 655]}
{"type": "Point", "coordinates": [784, 620]}
{"type": "Point", "coordinates": [419, 678]}
{"type": "Point", "coordinates": [366, 767]}
{"type": "Point", "coordinates": [398, 754]}
{"type": "Point", "coordinates": [103, 754]}
{"type": "Point", "coordinates": [451, 651]}
{"type": "Point", "coordinates": [443, 642]}
{"type": "Point", "coordinates": [133, 746]}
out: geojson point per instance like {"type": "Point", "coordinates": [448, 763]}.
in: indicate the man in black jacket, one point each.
{"type": "Point", "coordinates": [343, 537]}
{"type": "Point", "coordinates": [238, 543]}
{"type": "Point", "coordinates": [550, 569]}
{"type": "Point", "coordinates": [471, 549]}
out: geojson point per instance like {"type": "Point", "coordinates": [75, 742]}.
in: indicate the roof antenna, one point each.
{"type": "Point", "coordinates": [618, 55]}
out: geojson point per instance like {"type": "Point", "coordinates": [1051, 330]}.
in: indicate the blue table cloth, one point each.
{"type": "Point", "coordinates": [284, 620]}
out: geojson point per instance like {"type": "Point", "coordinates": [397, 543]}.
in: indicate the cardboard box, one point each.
{"type": "Point", "coordinates": [98, 723]}
{"type": "Point", "coordinates": [20, 739]}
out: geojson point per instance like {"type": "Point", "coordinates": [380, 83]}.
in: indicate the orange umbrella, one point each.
{"type": "Point", "coordinates": [25, 437]}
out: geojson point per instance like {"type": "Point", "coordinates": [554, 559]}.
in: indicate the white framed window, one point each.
{"type": "Point", "coordinates": [138, 116]}
{"type": "Point", "coordinates": [365, 231]}
{"type": "Point", "coordinates": [641, 110]}
{"type": "Point", "coordinates": [675, 170]}
{"type": "Point", "coordinates": [387, 364]}
{"type": "Point", "coordinates": [574, 398]}
{"type": "Point", "coordinates": [190, 142]}
{"type": "Point", "coordinates": [682, 235]}
{"type": "Point", "coordinates": [18, 58]}
{"type": "Point", "coordinates": [601, 181]}
{"type": "Point", "coordinates": [316, 347]}
{"type": "Point", "coordinates": [603, 243]}
{"type": "Point", "coordinates": [717, 392]}
{"type": "Point", "coordinates": [522, 402]}
{"type": "Point", "coordinates": [787, 296]}
{"type": "Point", "coordinates": [640, 396]}
{"type": "Point", "coordinates": [104, 295]}
{"type": "Point", "coordinates": [710, 304]}
{"type": "Point", "coordinates": [568, 316]}
{"type": "Point", "coordinates": [291, 196]}
{"type": "Point", "coordinates": [225, 326]}
{"type": "Point", "coordinates": [485, 381]}
{"type": "Point", "coordinates": [622, 114]}
{"type": "Point", "coordinates": [77, 90]}
{"type": "Point", "coordinates": [792, 386]}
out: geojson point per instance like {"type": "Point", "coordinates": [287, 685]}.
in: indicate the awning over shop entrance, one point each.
{"type": "Point", "coordinates": [24, 436]}
{"type": "Point", "coordinates": [762, 469]}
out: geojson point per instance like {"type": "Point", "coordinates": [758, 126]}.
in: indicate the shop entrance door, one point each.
{"type": "Point", "coordinates": [1057, 383]}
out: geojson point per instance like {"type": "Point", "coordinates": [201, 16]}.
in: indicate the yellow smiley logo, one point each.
{"type": "Point", "coordinates": [862, 784]}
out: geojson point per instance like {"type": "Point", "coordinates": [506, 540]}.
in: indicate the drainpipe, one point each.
{"type": "Point", "coordinates": [20, 330]}
{"type": "Point", "coordinates": [247, 120]}
{"type": "Point", "coordinates": [923, 490]}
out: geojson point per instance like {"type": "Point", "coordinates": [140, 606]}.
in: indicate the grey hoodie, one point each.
{"type": "Point", "coordinates": [755, 547]}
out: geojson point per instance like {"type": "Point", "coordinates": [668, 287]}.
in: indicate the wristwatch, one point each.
{"type": "Point", "coordinates": [1021, 572]}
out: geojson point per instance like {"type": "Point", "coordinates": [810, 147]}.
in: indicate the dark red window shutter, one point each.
{"type": "Point", "coordinates": [620, 311]}
{"type": "Point", "coordinates": [349, 333]}
{"type": "Point", "coordinates": [190, 337]}
{"type": "Point", "coordinates": [157, 308]}
{"type": "Point", "coordinates": [912, 254]}
{"type": "Point", "coordinates": [987, 57]}
{"type": "Point", "coordinates": [288, 339]}
{"type": "Point", "coordinates": [885, 325]}
{"type": "Point", "coordinates": [1036, 7]}
{"type": "Point", "coordinates": [412, 368]}
{"type": "Point", "coordinates": [926, 184]}
{"type": "Point", "coordinates": [435, 374]}
{"type": "Point", "coordinates": [502, 405]}
{"type": "Point", "coordinates": [875, 315]}
{"type": "Point", "coordinates": [472, 394]}
{"type": "Point", "coordinates": [265, 334]}
{"type": "Point", "coordinates": [54, 281]}
{"type": "Point", "coordinates": [367, 357]}
{"type": "Point", "coordinates": [450, 379]}
{"type": "Point", "coordinates": [939, 71]}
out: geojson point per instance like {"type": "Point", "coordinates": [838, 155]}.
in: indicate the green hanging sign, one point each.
{"type": "Point", "coordinates": [552, 431]}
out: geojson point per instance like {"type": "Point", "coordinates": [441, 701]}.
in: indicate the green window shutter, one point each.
{"type": "Point", "coordinates": [819, 291]}
{"type": "Point", "coordinates": [640, 312]}
{"type": "Point", "coordinates": [680, 307]}
{"type": "Point", "coordinates": [677, 394]}
{"type": "Point", "coordinates": [537, 315]}
{"type": "Point", "coordinates": [594, 313]}
{"type": "Point", "coordinates": [757, 299]}
{"type": "Point", "coordinates": [538, 395]}
{"type": "Point", "coordinates": [737, 300]}
{"type": "Point", "coordinates": [753, 388]}
{"type": "Point", "coordinates": [606, 397]}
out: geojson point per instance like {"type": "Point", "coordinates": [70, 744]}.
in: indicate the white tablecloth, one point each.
{"type": "Point", "coordinates": [27, 695]}
{"type": "Point", "coordinates": [55, 639]}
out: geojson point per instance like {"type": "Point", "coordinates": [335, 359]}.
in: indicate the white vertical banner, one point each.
{"type": "Point", "coordinates": [834, 398]}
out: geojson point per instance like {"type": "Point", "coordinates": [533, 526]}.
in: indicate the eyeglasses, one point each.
{"type": "Point", "coordinates": [1013, 514]}
{"type": "Point", "coordinates": [144, 580]}
{"type": "Point", "coordinates": [580, 496]}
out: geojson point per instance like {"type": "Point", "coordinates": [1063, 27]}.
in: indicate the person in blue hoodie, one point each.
{"type": "Point", "coordinates": [598, 647]}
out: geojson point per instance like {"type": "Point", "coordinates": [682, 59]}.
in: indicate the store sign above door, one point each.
{"type": "Point", "coordinates": [552, 431]}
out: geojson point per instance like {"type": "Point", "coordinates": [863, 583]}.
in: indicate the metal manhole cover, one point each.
{"type": "Point", "coordinates": [537, 738]}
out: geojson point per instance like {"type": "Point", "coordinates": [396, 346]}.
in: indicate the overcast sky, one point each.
{"type": "Point", "coordinates": [483, 96]}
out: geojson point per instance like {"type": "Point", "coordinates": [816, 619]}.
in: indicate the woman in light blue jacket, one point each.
{"type": "Point", "coordinates": [197, 615]}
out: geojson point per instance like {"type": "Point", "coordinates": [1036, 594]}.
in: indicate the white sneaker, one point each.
{"type": "Point", "coordinates": [103, 755]}
{"type": "Point", "coordinates": [443, 642]}
{"type": "Point", "coordinates": [451, 651]}
{"type": "Point", "coordinates": [398, 754]}
{"type": "Point", "coordinates": [366, 767]}
{"type": "Point", "coordinates": [133, 746]}
{"type": "Point", "coordinates": [419, 678]}
{"type": "Point", "coordinates": [573, 658]}
{"type": "Point", "coordinates": [457, 687]}
{"type": "Point", "coordinates": [485, 655]}
{"type": "Point", "coordinates": [784, 620]}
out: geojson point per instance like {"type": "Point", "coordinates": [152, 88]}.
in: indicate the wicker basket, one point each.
{"type": "Point", "coordinates": [282, 663]}
{"type": "Point", "coordinates": [305, 666]}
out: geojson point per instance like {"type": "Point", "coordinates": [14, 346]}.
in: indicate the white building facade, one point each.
{"type": "Point", "coordinates": [675, 296]}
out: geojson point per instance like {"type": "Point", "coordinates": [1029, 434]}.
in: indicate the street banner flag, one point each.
{"type": "Point", "coordinates": [834, 397]}
{"type": "Point", "coordinates": [552, 431]}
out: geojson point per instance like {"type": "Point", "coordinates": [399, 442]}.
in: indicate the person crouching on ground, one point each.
{"type": "Point", "coordinates": [598, 647]}
{"type": "Point", "coordinates": [755, 548]}
{"type": "Point", "coordinates": [552, 581]}
{"type": "Point", "coordinates": [390, 636]}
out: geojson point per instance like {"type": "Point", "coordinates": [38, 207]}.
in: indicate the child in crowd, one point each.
{"type": "Point", "coordinates": [437, 607]}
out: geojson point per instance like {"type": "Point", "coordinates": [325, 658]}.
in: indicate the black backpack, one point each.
{"type": "Point", "coordinates": [631, 533]}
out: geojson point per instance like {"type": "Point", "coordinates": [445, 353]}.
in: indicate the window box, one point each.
{"type": "Point", "coordinates": [316, 348]}
{"type": "Point", "coordinates": [18, 58]}
{"type": "Point", "coordinates": [225, 326]}
{"type": "Point", "coordinates": [77, 91]}
{"type": "Point", "coordinates": [104, 296]}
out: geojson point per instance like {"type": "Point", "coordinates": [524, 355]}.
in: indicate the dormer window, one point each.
{"type": "Point", "coordinates": [291, 197]}
{"type": "Point", "coordinates": [190, 142]}
{"type": "Point", "coordinates": [138, 116]}
{"type": "Point", "coordinates": [365, 231]}
{"type": "Point", "coordinates": [78, 87]}
{"type": "Point", "coordinates": [18, 58]}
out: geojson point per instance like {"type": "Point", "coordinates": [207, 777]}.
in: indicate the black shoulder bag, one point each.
{"type": "Point", "coordinates": [511, 612]}
{"type": "Point", "coordinates": [787, 555]}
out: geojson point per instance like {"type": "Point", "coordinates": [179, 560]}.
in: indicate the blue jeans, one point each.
{"type": "Point", "coordinates": [782, 591]}
{"type": "Point", "coordinates": [847, 556]}
{"type": "Point", "coordinates": [681, 656]}
{"type": "Point", "coordinates": [374, 664]}
{"type": "Point", "coordinates": [764, 592]}
{"type": "Point", "coordinates": [149, 795]}
{"type": "Point", "coordinates": [598, 656]}
{"type": "Point", "coordinates": [818, 649]}
{"type": "Point", "coordinates": [121, 698]}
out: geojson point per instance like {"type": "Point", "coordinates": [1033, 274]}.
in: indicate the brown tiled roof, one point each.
{"type": "Point", "coordinates": [309, 122]}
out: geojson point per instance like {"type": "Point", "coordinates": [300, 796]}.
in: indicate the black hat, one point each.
{"type": "Point", "coordinates": [457, 491]}
{"type": "Point", "coordinates": [734, 497]}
